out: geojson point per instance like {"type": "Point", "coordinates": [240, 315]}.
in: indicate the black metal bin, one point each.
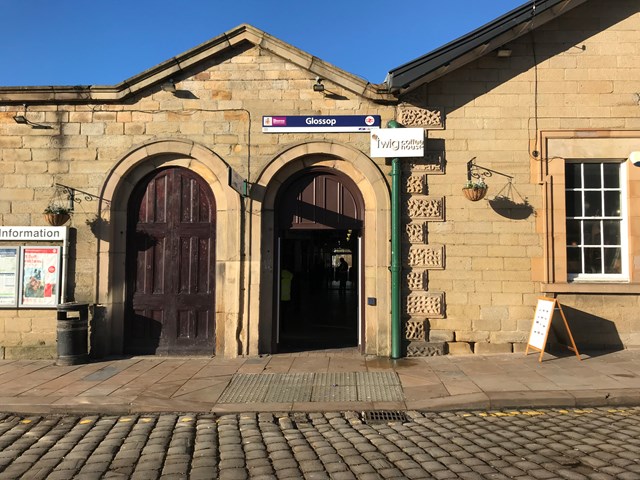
{"type": "Point", "coordinates": [72, 333]}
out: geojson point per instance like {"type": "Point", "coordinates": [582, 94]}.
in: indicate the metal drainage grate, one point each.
{"type": "Point", "coordinates": [384, 416]}
{"type": "Point", "coordinates": [313, 387]}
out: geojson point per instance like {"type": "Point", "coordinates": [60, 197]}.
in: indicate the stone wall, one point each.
{"type": "Point", "coordinates": [218, 105]}
{"type": "Point", "coordinates": [580, 71]}
{"type": "Point", "coordinates": [472, 270]}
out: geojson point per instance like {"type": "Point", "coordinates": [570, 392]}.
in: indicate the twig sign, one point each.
{"type": "Point", "coordinates": [541, 325]}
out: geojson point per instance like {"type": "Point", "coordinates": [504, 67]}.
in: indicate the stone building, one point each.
{"type": "Point", "coordinates": [216, 194]}
{"type": "Point", "coordinates": [544, 105]}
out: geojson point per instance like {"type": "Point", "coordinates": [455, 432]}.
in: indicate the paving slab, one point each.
{"type": "Point", "coordinates": [418, 393]}
{"type": "Point", "coordinates": [336, 380]}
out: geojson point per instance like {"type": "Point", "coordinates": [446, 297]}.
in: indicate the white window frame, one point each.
{"type": "Point", "coordinates": [623, 276]}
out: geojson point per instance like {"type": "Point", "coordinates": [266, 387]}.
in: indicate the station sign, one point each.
{"type": "Point", "coordinates": [320, 123]}
{"type": "Point", "coordinates": [397, 142]}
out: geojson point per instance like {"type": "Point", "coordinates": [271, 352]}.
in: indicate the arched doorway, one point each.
{"type": "Point", "coordinates": [320, 226]}
{"type": "Point", "coordinates": [170, 259]}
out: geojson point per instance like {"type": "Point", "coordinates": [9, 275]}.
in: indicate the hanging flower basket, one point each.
{"type": "Point", "coordinates": [57, 215]}
{"type": "Point", "coordinates": [474, 193]}
{"type": "Point", "coordinates": [57, 219]}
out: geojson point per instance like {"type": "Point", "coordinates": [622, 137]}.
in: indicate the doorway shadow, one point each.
{"type": "Point", "coordinates": [143, 335]}
{"type": "Point", "coordinates": [324, 319]}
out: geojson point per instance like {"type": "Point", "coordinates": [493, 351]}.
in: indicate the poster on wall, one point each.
{"type": "Point", "coordinates": [40, 277]}
{"type": "Point", "coordinates": [9, 277]}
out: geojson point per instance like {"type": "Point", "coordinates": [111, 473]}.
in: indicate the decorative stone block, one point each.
{"type": "Point", "coordinates": [415, 330]}
{"type": "Point", "coordinates": [428, 118]}
{"type": "Point", "coordinates": [429, 208]}
{"type": "Point", "coordinates": [429, 305]}
{"type": "Point", "coordinates": [415, 184]}
{"type": "Point", "coordinates": [417, 280]}
{"type": "Point", "coordinates": [416, 232]}
{"type": "Point", "coordinates": [425, 349]}
{"type": "Point", "coordinates": [431, 257]}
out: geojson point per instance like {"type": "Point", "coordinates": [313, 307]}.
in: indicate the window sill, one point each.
{"type": "Point", "coordinates": [591, 287]}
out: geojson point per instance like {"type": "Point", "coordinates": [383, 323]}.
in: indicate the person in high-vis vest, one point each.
{"type": "Point", "coordinates": [286, 279]}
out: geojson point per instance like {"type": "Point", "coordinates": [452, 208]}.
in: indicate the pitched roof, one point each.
{"type": "Point", "coordinates": [187, 61]}
{"type": "Point", "coordinates": [476, 44]}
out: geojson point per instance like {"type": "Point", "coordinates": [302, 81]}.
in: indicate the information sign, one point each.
{"type": "Point", "coordinates": [33, 234]}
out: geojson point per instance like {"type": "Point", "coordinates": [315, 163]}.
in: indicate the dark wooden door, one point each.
{"type": "Point", "coordinates": [170, 265]}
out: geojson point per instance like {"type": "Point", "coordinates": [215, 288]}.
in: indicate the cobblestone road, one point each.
{"type": "Point", "coordinates": [520, 444]}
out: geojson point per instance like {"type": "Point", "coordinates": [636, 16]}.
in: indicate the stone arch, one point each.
{"type": "Point", "coordinates": [108, 322]}
{"type": "Point", "coordinates": [374, 188]}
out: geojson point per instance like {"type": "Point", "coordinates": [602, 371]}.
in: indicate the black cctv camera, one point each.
{"type": "Point", "coordinates": [318, 86]}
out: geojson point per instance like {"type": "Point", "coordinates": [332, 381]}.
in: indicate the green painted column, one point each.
{"type": "Point", "coordinates": [396, 266]}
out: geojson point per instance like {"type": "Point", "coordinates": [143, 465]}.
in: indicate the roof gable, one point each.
{"type": "Point", "coordinates": [189, 60]}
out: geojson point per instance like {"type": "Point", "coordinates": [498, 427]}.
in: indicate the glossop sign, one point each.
{"type": "Point", "coordinates": [397, 142]}
{"type": "Point", "coordinates": [320, 123]}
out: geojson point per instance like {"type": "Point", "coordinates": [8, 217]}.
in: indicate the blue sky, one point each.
{"type": "Point", "coordinates": [90, 42]}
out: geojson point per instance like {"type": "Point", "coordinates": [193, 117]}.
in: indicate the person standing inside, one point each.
{"type": "Point", "coordinates": [343, 273]}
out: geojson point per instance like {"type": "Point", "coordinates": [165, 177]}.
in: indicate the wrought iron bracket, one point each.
{"type": "Point", "coordinates": [73, 198]}
{"type": "Point", "coordinates": [480, 173]}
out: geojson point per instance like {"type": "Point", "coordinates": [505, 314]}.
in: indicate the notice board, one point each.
{"type": "Point", "coordinates": [39, 276]}
{"type": "Point", "coordinates": [32, 276]}
{"type": "Point", "coordinates": [9, 276]}
{"type": "Point", "coordinates": [546, 309]}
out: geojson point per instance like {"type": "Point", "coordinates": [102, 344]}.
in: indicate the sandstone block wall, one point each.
{"type": "Point", "coordinates": [471, 272]}
{"type": "Point", "coordinates": [580, 71]}
{"type": "Point", "coordinates": [219, 107]}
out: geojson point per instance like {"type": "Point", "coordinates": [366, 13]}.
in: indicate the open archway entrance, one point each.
{"type": "Point", "coordinates": [320, 229]}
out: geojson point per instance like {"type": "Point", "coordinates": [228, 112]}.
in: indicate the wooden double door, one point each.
{"type": "Point", "coordinates": [171, 265]}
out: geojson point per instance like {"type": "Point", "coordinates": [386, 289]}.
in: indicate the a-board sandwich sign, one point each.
{"type": "Point", "coordinates": [542, 323]}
